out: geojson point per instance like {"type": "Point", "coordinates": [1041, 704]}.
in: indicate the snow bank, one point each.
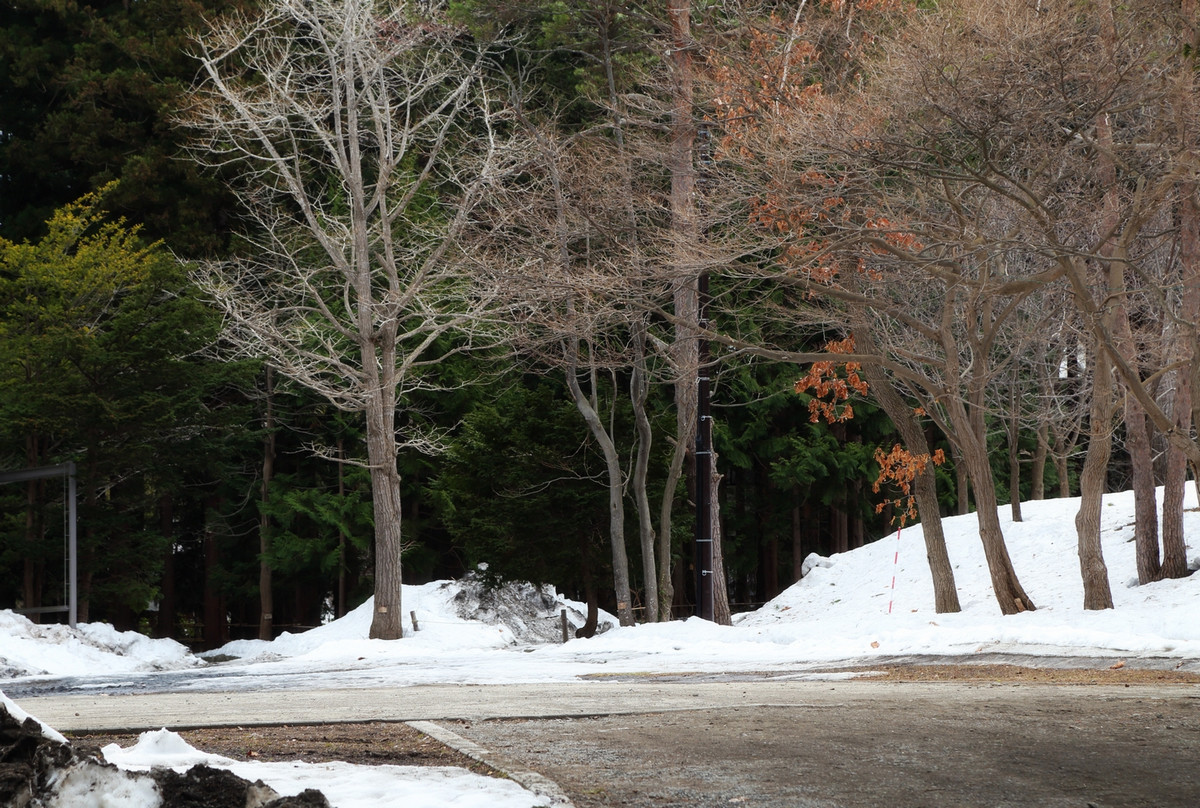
{"type": "Point", "coordinates": [29, 649]}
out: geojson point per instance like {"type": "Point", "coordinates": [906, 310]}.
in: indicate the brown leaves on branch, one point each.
{"type": "Point", "coordinates": [901, 467]}
{"type": "Point", "coordinates": [831, 384]}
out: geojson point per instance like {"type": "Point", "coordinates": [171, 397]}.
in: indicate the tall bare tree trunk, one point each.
{"type": "Point", "coordinates": [167, 602]}
{"type": "Point", "coordinates": [1040, 454]}
{"type": "Point", "coordinates": [1096, 591]}
{"type": "Point", "coordinates": [1007, 588]}
{"type": "Point", "coordinates": [616, 505]}
{"type": "Point", "coordinates": [1014, 456]}
{"type": "Point", "coordinates": [1186, 352]}
{"type": "Point", "coordinates": [945, 593]}
{"type": "Point", "coordinates": [639, 389]}
{"type": "Point", "coordinates": [387, 622]}
{"type": "Point", "coordinates": [1145, 500]}
{"type": "Point", "coordinates": [266, 599]}
{"type": "Point", "coordinates": [340, 607]}
{"type": "Point", "coordinates": [722, 613]}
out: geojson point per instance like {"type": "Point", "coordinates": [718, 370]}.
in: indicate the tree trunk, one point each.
{"type": "Point", "coordinates": [1096, 591]}
{"type": "Point", "coordinates": [962, 482]}
{"type": "Point", "coordinates": [1185, 351]}
{"type": "Point", "coordinates": [1007, 588]}
{"type": "Point", "coordinates": [1145, 499]}
{"type": "Point", "coordinates": [616, 505]}
{"type": "Point", "coordinates": [165, 626]}
{"type": "Point", "coordinates": [797, 536]}
{"type": "Point", "coordinates": [722, 614]}
{"type": "Point", "coordinates": [1039, 463]}
{"type": "Point", "coordinates": [639, 389]}
{"type": "Point", "coordinates": [685, 286]}
{"type": "Point", "coordinates": [945, 593]}
{"type": "Point", "coordinates": [387, 623]}
{"type": "Point", "coordinates": [1014, 458]}
{"type": "Point", "coordinates": [340, 608]}
{"type": "Point", "coordinates": [216, 625]}
{"type": "Point", "coordinates": [266, 600]}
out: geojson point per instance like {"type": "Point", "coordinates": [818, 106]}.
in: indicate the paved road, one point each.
{"type": "Point", "coordinates": [762, 743]}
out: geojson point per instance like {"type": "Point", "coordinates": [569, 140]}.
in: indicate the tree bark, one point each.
{"type": "Point", "coordinates": [165, 625]}
{"type": "Point", "coordinates": [1040, 454]}
{"type": "Point", "coordinates": [266, 600]}
{"type": "Point", "coordinates": [639, 389]}
{"type": "Point", "coordinates": [387, 622]}
{"type": "Point", "coordinates": [945, 593]}
{"type": "Point", "coordinates": [722, 614]}
{"type": "Point", "coordinates": [1014, 457]}
{"type": "Point", "coordinates": [616, 505]}
{"type": "Point", "coordinates": [685, 283]}
{"type": "Point", "coordinates": [1096, 591]}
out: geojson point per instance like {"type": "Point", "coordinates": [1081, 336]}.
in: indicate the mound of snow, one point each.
{"type": "Point", "coordinates": [459, 615]}
{"type": "Point", "coordinates": [532, 613]}
{"type": "Point", "coordinates": [30, 649]}
{"type": "Point", "coordinates": [878, 599]}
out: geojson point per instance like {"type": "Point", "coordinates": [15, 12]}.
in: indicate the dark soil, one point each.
{"type": "Point", "coordinates": [364, 744]}
{"type": "Point", "coordinates": [1118, 674]}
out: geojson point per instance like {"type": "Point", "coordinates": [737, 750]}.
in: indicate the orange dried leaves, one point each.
{"type": "Point", "coordinates": [900, 468]}
{"type": "Point", "coordinates": [831, 384]}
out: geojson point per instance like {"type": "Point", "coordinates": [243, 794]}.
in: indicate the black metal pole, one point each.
{"type": "Point", "coordinates": [704, 534]}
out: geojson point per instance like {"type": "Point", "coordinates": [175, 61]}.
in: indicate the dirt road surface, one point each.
{"type": "Point", "coordinates": [763, 742]}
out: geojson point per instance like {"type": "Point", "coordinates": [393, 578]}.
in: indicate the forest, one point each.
{"type": "Point", "coordinates": [645, 300]}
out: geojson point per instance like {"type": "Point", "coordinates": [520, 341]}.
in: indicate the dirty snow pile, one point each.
{"type": "Point", "coordinates": [27, 649]}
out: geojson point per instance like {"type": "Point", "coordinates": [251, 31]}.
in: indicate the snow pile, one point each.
{"type": "Point", "coordinates": [532, 613]}
{"type": "Point", "coordinates": [840, 609]}
{"type": "Point", "coordinates": [161, 770]}
{"type": "Point", "coordinates": [345, 785]}
{"type": "Point", "coordinates": [451, 616]}
{"type": "Point", "coordinates": [28, 649]}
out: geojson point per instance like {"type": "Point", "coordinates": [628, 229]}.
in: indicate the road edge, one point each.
{"type": "Point", "coordinates": [539, 784]}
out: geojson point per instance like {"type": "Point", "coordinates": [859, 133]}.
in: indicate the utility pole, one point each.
{"type": "Point", "coordinates": [705, 606]}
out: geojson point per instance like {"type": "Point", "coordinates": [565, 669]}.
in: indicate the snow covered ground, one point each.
{"type": "Point", "coordinates": [845, 609]}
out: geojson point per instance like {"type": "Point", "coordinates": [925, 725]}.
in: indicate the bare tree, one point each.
{"type": "Point", "coordinates": [361, 137]}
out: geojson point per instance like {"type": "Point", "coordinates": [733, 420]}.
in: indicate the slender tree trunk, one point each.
{"type": "Point", "coordinates": [616, 505]}
{"type": "Point", "coordinates": [340, 608]}
{"type": "Point", "coordinates": [962, 482]}
{"type": "Point", "coordinates": [945, 594]}
{"type": "Point", "coordinates": [639, 389]}
{"type": "Point", "coordinates": [1145, 499]}
{"type": "Point", "coordinates": [1007, 588]}
{"type": "Point", "coordinates": [722, 614]}
{"type": "Point", "coordinates": [1186, 352]}
{"type": "Point", "coordinates": [1096, 591]}
{"type": "Point", "coordinates": [1064, 479]}
{"type": "Point", "coordinates": [165, 627]}
{"type": "Point", "coordinates": [266, 600]}
{"type": "Point", "coordinates": [1040, 454]}
{"type": "Point", "coordinates": [216, 624]}
{"type": "Point", "coordinates": [797, 536]}
{"type": "Point", "coordinates": [1014, 458]}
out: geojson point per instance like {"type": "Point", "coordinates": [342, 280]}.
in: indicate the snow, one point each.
{"type": "Point", "coordinates": [845, 610]}
{"type": "Point", "coordinates": [345, 786]}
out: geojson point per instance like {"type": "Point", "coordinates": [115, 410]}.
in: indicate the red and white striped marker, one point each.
{"type": "Point", "coordinates": [895, 564]}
